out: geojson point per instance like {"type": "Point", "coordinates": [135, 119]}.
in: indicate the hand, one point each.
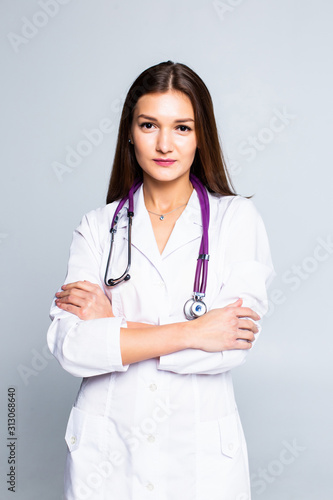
{"type": "Point", "coordinates": [224, 329]}
{"type": "Point", "coordinates": [86, 300]}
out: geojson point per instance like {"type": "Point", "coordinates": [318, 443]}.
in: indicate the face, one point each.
{"type": "Point", "coordinates": [163, 128]}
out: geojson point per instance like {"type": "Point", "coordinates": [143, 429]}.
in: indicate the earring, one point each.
{"type": "Point", "coordinates": [129, 140]}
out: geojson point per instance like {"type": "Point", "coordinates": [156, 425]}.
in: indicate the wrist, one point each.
{"type": "Point", "coordinates": [187, 335]}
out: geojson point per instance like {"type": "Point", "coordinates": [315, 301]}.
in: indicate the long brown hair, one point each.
{"type": "Point", "coordinates": [208, 164]}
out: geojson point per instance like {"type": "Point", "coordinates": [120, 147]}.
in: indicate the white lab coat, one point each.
{"type": "Point", "coordinates": [165, 428]}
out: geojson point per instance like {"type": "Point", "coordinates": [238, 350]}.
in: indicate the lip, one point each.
{"type": "Point", "coordinates": [164, 161]}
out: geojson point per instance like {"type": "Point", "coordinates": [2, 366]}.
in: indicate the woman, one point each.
{"type": "Point", "coordinates": [155, 416]}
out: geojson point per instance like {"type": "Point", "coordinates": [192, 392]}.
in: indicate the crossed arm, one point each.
{"type": "Point", "coordinates": [219, 330]}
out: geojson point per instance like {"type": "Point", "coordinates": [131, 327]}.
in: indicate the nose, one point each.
{"type": "Point", "coordinates": [164, 142]}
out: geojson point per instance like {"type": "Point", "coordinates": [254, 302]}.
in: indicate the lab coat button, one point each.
{"type": "Point", "coordinates": [150, 487]}
{"type": "Point", "coordinates": [151, 438]}
{"type": "Point", "coordinates": [73, 440]}
{"type": "Point", "coordinates": [153, 387]}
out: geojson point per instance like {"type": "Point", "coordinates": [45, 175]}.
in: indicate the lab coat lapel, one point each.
{"type": "Point", "coordinates": [143, 237]}
{"type": "Point", "coordinates": [187, 228]}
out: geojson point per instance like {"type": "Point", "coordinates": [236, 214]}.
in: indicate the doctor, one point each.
{"type": "Point", "coordinates": [155, 416]}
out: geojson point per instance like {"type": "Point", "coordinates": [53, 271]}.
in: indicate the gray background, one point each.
{"type": "Point", "coordinates": [258, 59]}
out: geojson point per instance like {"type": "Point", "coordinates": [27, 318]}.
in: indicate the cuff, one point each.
{"type": "Point", "coordinates": [113, 347]}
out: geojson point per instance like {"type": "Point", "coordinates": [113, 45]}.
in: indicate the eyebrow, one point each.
{"type": "Point", "coordinates": [175, 121]}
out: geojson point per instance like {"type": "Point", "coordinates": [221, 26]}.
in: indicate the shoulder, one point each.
{"type": "Point", "coordinates": [242, 232]}
{"type": "Point", "coordinates": [95, 224]}
{"type": "Point", "coordinates": [228, 210]}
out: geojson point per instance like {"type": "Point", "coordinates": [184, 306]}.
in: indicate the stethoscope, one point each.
{"type": "Point", "coordinates": [194, 307]}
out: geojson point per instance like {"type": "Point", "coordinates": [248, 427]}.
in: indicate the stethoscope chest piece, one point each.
{"type": "Point", "coordinates": [194, 308]}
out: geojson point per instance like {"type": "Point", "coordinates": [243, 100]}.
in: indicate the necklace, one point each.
{"type": "Point", "coordinates": [161, 216]}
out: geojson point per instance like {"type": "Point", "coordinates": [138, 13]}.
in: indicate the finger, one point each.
{"type": "Point", "coordinates": [82, 285]}
{"type": "Point", "coordinates": [237, 303]}
{"type": "Point", "coordinates": [75, 300]}
{"type": "Point", "coordinates": [245, 335]}
{"type": "Point", "coordinates": [247, 324]}
{"type": "Point", "coordinates": [64, 302]}
{"type": "Point", "coordinates": [242, 344]}
{"type": "Point", "coordinates": [242, 312]}
{"type": "Point", "coordinates": [70, 308]}
{"type": "Point", "coordinates": [73, 291]}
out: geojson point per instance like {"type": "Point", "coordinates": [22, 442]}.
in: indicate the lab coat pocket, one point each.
{"type": "Point", "coordinates": [221, 472]}
{"type": "Point", "coordinates": [75, 427]}
{"type": "Point", "coordinates": [230, 438]}
{"type": "Point", "coordinates": [84, 438]}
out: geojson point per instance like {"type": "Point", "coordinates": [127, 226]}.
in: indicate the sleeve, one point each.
{"type": "Point", "coordinates": [92, 347]}
{"type": "Point", "coordinates": [247, 273]}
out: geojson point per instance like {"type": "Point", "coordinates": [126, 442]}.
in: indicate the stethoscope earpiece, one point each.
{"type": "Point", "coordinates": [112, 282]}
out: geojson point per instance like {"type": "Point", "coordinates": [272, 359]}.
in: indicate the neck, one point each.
{"type": "Point", "coordinates": [162, 197]}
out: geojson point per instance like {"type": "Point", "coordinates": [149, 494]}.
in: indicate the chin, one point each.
{"type": "Point", "coordinates": [166, 175]}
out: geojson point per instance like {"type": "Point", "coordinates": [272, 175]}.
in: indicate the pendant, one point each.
{"type": "Point", "coordinates": [162, 217]}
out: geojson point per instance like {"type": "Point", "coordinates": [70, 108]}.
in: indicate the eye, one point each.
{"type": "Point", "coordinates": [184, 127]}
{"type": "Point", "coordinates": [146, 125]}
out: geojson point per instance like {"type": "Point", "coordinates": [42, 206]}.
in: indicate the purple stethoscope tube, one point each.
{"type": "Point", "coordinates": [194, 307]}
